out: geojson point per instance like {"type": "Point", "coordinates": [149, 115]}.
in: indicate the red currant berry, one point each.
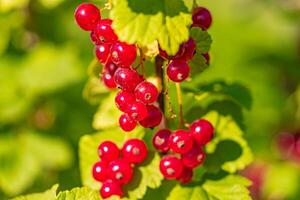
{"type": "Point", "coordinates": [163, 54]}
{"type": "Point", "coordinates": [202, 131]}
{"type": "Point", "coordinates": [108, 80]}
{"type": "Point", "coordinates": [194, 157]}
{"type": "Point", "coordinates": [207, 58]}
{"type": "Point", "coordinates": [160, 140]}
{"type": "Point", "coordinates": [123, 54]}
{"type": "Point", "coordinates": [100, 171]}
{"type": "Point", "coordinates": [171, 167]}
{"type": "Point", "coordinates": [110, 188]}
{"type": "Point", "coordinates": [120, 171]}
{"type": "Point", "coordinates": [108, 151]}
{"type": "Point", "coordinates": [146, 92]}
{"type": "Point", "coordinates": [110, 67]}
{"type": "Point", "coordinates": [153, 118]}
{"type": "Point", "coordinates": [87, 15]}
{"type": "Point", "coordinates": [135, 151]}
{"type": "Point", "coordinates": [201, 18]}
{"type": "Point", "coordinates": [123, 100]}
{"type": "Point", "coordinates": [104, 32]}
{"type": "Point", "coordinates": [187, 50]}
{"type": "Point", "coordinates": [178, 70]}
{"type": "Point", "coordinates": [102, 52]}
{"type": "Point", "coordinates": [94, 38]}
{"type": "Point", "coordinates": [186, 175]}
{"type": "Point", "coordinates": [126, 123]}
{"type": "Point", "coordinates": [126, 79]}
{"type": "Point", "coordinates": [181, 141]}
{"type": "Point", "coordinates": [137, 111]}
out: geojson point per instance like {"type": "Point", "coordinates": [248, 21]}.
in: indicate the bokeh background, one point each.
{"type": "Point", "coordinates": [45, 106]}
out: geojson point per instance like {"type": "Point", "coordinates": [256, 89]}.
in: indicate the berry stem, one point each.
{"type": "Point", "coordinates": [179, 99]}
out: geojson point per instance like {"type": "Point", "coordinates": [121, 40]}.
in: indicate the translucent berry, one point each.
{"type": "Point", "coordinates": [160, 140]}
{"type": "Point", "coordinates": [171, 167]}
{"type": "Point", "coordinates": [187, 50]}
{"type": "Point", "coordinates": [120, 171]}
{"type": "Point", "coordinates": [123, 54]}
{"type": "Point", "coordinates": [126, 123]}
{"type": "Point", "coordinates": [181, 141]}
{"type": "Point", "coordinates": [202, 131]}
{"type": "Point", "coordinates": [146, 92]}
{"type": "Point", "coordinates": [126, 79]}
{"type": "Point", "coordinates": [186, 175]}
{"type": "Point", "coordinates": [135, 151]}
{"type": "Point", "coordinates": [87, 15]}
{"type": "Point", "coordinates": [104, 32]}
{"type": "Point", "coordinates": [100, 171]}
{"type": "Point", "coordinates": [108, 80]}
{"type": "Point", "coordinates": [201, 18]}
{"type": "Point", "coordinates": [110, 188]}
{"type": "Point", "coordinates": [153, 118]}
{"type": "Point", "coordinates": [124, 99]}
{"type": "Point", "coordinates": [108, 151]}
{"type": "Point", "coordinates": [137, 111]}
{"type": "Point", "coordinates": [102, 52]}
{"type": "Point", "coordinates": [110, 67]}
{"type": "Point", "coordinates": [178, 70]}
{"type": "Point", "coordinates": [194, 157]}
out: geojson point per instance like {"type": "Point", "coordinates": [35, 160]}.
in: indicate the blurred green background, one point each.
{"type": "Point", "coordinates": [43, 62]}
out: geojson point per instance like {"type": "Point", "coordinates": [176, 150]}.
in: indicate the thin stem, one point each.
{"type": "Point", "coordinates": [179, 98]}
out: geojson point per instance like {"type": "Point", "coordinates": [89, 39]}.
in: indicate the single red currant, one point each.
{"type": "Point", "coordinates": [146, 92]}
{"type": "Point", "coordinates": [153, 118]}
{"type": "Point", "coordinates": [102, 52]}
{"type": "Point", "coordinates": [108, 80]}
{"type": "Point", "coordinates": [186, 175]}
{"type": "Point", "coordinates": [181, 141]}
{"type": "Point", "coordinates": [202, 131]}
{"type": "Point", "coordinates": [137, 111]}
{"type": "Point", "coordinates": [123, 100]}
{"type": "Point", "coordinates": [160, 140]}
{"type": "Point", "coordinates": [187, 50]}
{"type": "Point", "coordinates": [201, 18]}
{"type": "Point", "coordinates": [100, 171]}
{"type": "Point", "coordinates": [110, 67]}
{"type": "Point", "coordinates": [171, 167]}
{"type": "Point", "coordinates": [135, 151]}
{"type": "Point", "coordinates": [94, 38]}
{"type": "Point", "coordinates": [110, 188]}
{"type": "Point", "coordinates": [120, 171]}
{"type": "Point", "coordinates": [178, 70]}
{"type": "Point", "coordinates": [126, 123]}
{"type": "Point", "coordinates": [104, 32]}
{"type": "Point", "coordinates": [207, 58]}
{"type": "Point", "coordinates": [194, 157]}
{"type": "Point", "coordinates": [108, 151]}
{"type": "Point", "coordinates": [126, 79]}
{"type": "Point", "coordinates": [87, 15]}
{"type": "Point", "coordinates": [163, 54]}
{"type": "Point", "coordinates": [123, 54]}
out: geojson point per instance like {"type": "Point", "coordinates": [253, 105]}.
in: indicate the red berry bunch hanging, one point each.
{"type": "Point", "coordinates": [115, 167]}
{"type": "Point", "coordinates": [185, 147]}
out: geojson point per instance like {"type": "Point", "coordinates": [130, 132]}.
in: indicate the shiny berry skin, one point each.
{"type": "Point", "coordinates": [181, 141]}
{"type": "Point", "coordinates": [160, 140]}
{"type": "Point", "coordinates": [146, 92]}
{"type": "Point", "coordinates": [126, 79]}
{"type": "Point", "coordinates": [100, 171]}
{"type": "Point", "coordinates": [108, 80]}
{"type": "Point", "coordinates": [120, 171]}
{"type": "Point", "coordinates": [124, 99]}
{"type": "Point", "coordinates": [104, 32]}
{"type": "Point", "coordinates": [202, 131]}
{"type": "Point", "coordinates": [135, 151]}
{"type": "Point", "coordinates": [108, 151]}
{"type": "Point", "coordinates": [126, 123]}
{"type": "Point", "coordinates": [207, 58]}
{"type": "Point", "coordinates": [110, 188]}
{"type": "Point", "coordinates": [102, 52]}
{"type": "Point", "coordinates": [110, 67]}
{"type": "Point", "coordinates": [186, 175]}
{"type": "Point", "coordinates": [178, 70]}
{"type": "Point", "coordinates": [123, 54]}
{"type": "Point", "coordinates": [137, 111]}
{"type": "Point", "coordinates": [94, 38]}
{"type": "Point", "coordinates": [201, 18]}
{"type": "Point", "coordinates": [187, 50]}
{"type": "Point", "coordinates": [153, 118]}
{"type": "Point", "coordinates": [87, 15]}
{"type": "Point", "coordinates": [171, 167]}
{"type": "Point", "coordinates": [194, 157]}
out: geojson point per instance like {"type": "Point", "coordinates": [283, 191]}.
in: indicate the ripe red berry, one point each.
{"type": "Point", "coordinates": [187, 50]}
{"type": "Point", "coordinates": [146, 92]}
{"type": "Point", "coordinates": [87, 15]}
{"type": "Point", "coordinates": [186, 175]}
{"type": "Point", "coordinates": [171, 167]}
{"type": "Point", "coordinates": [163, 53]}
{"type": "Point", "coordinates": [108, 151]}
{"type": "Point", "coordinates": [100, 171]}
{"type": "Point", "coordinates": [126, 79]}
{"type": "Point", "coordinates": [110, 67]}
{"type": "Point", "coordinates": [178, 70]}
{"type": "Point", "coordinates": [104, 32]}
{"type": "Point", "coordinates": [181, 141]}
{"type": "Point", "coordinates": [123, 54]}
{"type": "Point", "coordinates": [108, 80]}
{"type": "Point", "coordinates": [207, 58]}
{"type": "Point", "coordinates": [202, 131]}
{"type": "Point", "coordinates": [135, 151]}
{"type": "Point", "coordinates": [160, 140]}
{"type": "Point", "coordinates": [137, 111]}
{"type": "Point", "coordinates": [120, 171]}
{"type": "Point", "coordinates": [153, 118]}
{"type": "Point", "coordinates": [194, 157]}
{"type": "Point", "coordinates": [124, 99]}
{"type": "Point", "coordinates": [201, 18]}
{"type": "Point", "coordinates": [110, 188]}
{"type": "Point", "coordinates": [102, 52]}
{"type": "Point", "coordinates": [126, 123]}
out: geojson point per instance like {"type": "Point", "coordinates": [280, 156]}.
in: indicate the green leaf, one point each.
{"type": "Point", "coordinates": [202, 39]}
{"type": "Point", "coordinates": [94, 90]}
{"type": "Point", "coordinates": [83, 193]}
{"type": "Point", "coordinates": [180, 192]}
{"type": "Point", "coordinates": [198, 64]}
{"type": "Point", "coordinates": [146, 21]}
{"type": "Point", "coordinates": [47, 195]}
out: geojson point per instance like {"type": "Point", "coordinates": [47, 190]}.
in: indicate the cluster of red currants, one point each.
{"type": "Point", "coordinates": [186, 149]}
{"type": "Point", "coordinates": [115, 167]}
{"type": "Point", "coordinates": [178, 68]}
